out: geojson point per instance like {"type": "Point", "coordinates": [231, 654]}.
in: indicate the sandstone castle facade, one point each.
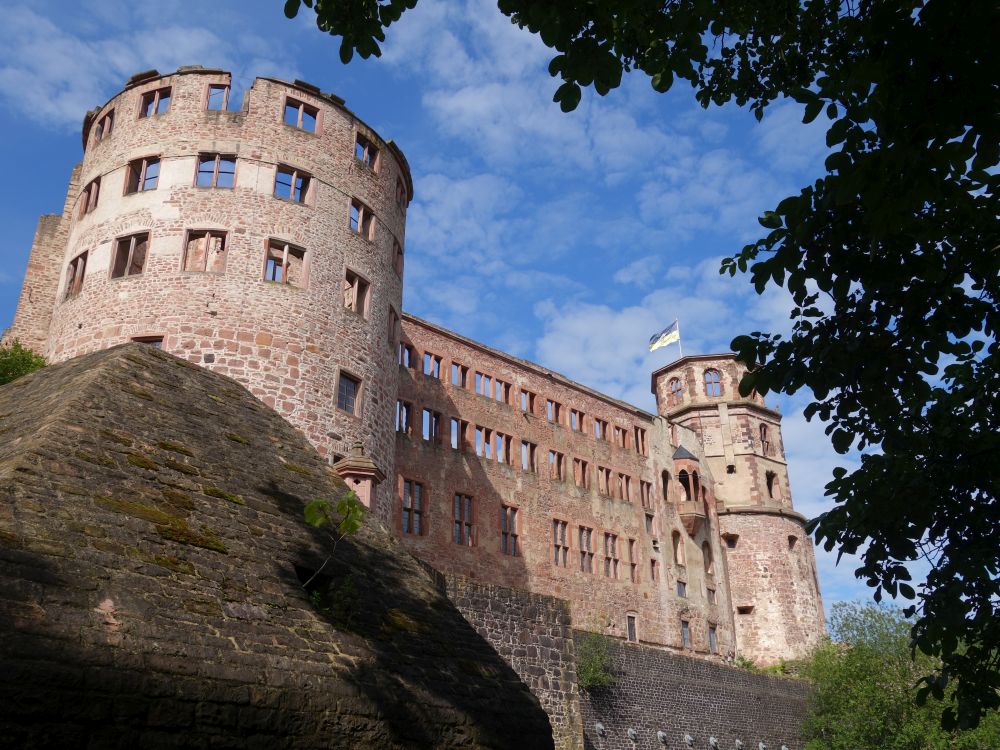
{"type": "Point", "coordinates": [265, 242]}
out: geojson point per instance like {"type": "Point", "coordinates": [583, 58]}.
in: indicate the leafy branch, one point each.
{"type": "Point", "coordinates": [340, 520]}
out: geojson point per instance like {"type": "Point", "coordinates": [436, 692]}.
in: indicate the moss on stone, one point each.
{"type": "Point", "coordinates": [180, 532]}
{"type": "Point", "coordinates": [297, 469]}
{"type": "Point", "coordinates": [93, 459]}
{"type": "Point", "coordinates": [215, 398]}
{"type": "Point", "coordinates": [213, 491]}
{"type": "Point", "coordinates": [182, 468]}
{"type": "Point", "coordinates": [178, 499]}
{"type": "Point", "coordinates": [175, 564]}
{"type": "Point", "coordinates": [237, 438]}
{"type": "Point", "coordinates": [136, 509]}
{"type": "Point", "coordinates": [137, 391]}
{"type": "Point", "coordinates": [142, 462]}
{"type": "Point", "coordinates": [174, 448]}
{"type": "Point", "coordinates": [10, 540]}
{"type": "Point", "coordinates": [398, 621]}
{"type": "Point", "coordinates": [72, 489]}
{"type": "Point", "coordinates": [115, 437]}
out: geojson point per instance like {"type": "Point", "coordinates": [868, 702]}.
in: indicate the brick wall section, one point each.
{"type": "Point", "coordinates": [150, 522]}
{"type": "Point", "coordinates": [532, 634]}
{"type": "Point", "coordinates": [659, 691]}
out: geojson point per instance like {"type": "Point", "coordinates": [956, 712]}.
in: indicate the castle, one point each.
{"type": "Point", "coordinates": [266, 243]}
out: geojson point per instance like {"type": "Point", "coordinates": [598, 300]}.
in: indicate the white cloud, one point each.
{"type": "Point", "coordinates": [641, 271]}
{"type": "Point", "coordinates": [787, 144]}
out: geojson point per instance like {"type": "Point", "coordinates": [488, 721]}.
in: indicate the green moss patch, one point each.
{"type": "Point", "coordinates": [136, 509]}
{"type": "Point", "coordinates": [178, 499]}
{"type": "Point", "coordinates": [175, 564]}
{"type": "Point", "coordinates": [174, 448]}
{"type": "Point", "coordinates": [182, 468]}
{"type": "Point", "coordinates": [182, 534]}
{"type": "Point", "coordinates": [94, 459]}
{"type": "Point", "coordinates": [237, 438]}
{"type": "Point", "coordinates": [142, 462]}
{"type": "Point", "coordinates": [72, 489]}
{"type": "Point", "coordinates": [213, 491]}
{"type": "Point", "coordinates": [297, 469]}
{"type": "Point", "coordinates": [137, 391]}
{"type": "Point", "coordinates": [115, 437]}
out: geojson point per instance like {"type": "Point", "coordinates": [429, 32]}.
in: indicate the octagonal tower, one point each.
{"type": "Point", "coordinates": [775, 594]}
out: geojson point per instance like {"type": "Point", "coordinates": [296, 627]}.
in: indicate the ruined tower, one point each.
{"type": "Point", "coordinates": [768, 554]}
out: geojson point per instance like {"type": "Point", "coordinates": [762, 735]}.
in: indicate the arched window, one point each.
{"type": "Point", "coordinates": [713, 383]}
{"type": "Point", "coordinates": [665, 478]}
{"type": "Point", "coordinates": [773, 490]}
{"type": "Point", "coordinates": [765, 443]}
{"type": "Point", "coordinates": [697, 493]}
{"type": "Point", "coordinates": [685, 481]}
{"type": "Point", "coordinates": [678, 547]}
{"type": "Point", "coordinates": [706, 556]}
{"type": "Point", "coordinates": [675, 392]}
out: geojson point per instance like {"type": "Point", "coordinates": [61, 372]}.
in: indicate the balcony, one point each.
{"type": "Point", "coordinates": [692, 515]}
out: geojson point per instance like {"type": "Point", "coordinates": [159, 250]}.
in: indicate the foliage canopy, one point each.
{"type": "Point", "coordinates": [17, 360]}
{"type": "Point", "coordinates": [891, 258]}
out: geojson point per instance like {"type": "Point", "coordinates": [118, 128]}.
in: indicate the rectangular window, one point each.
{"type": "Point", "coordinates": [347, 393]}
{"type": "Point", "coordinates": [502, 391]}
{"type": "Point", "coordinates": [502, 445]}
{"type": "Point", "coordinates": [527, 402]}
{"type": "Point", "coordinates": [484, 384]}
{"type": "Point", "coordinates": [600, 429]}
{"type": "Point", "coordinates": [406, 355]}
{"type": "Point", "coordinates": [130, 255]}
{"type": "Point", "coordinates": [560, 544]}
{"type": "Point", "coordinates": [621, 437]}
{"type": "Point", "coordinates": [713, 640]}
{"type": "Point", "coordinates": [484, 442]}
{"type": "Point", "coordinates": [397, 257]}
{"type": "Point", "coordinates": [155, 102]}
{"type": "Point", "coordinates": [685, 634]}
{"type": "Point", "coordinates": [216, 170]}
{"type": "Point", "coordinates": [633, 561]}
{"type": "Point", "coordinates": [710, 595]}
{"type": "Point", "coordinates": [557, 465]}
{"type": "Point", "coordinates": [528, 452]}
{"type": "Point", "coordinates": [104, 126]}
{"type": "Point", "coordinates": [142, 175]}
{"type": "Point", "coordinates": [630, 628]}
{"type": "Point", "coordinates": [576, 420]}
{"type": "Point", "coordinates": [432, 365]}
{"type": "Point", "coordinates": [74, 275]}
{"type": "Point", "coordinates": [291, 184]}
{"type": "Point", "coordinates": [218, 97]}
{"type": "Point", "coordinates": [682, 589]}
{"type": "Point", "coordinates": [462, 512]}
{"type": "Point", "coordinates": [586, 539]}
{"type": "Point", "coordinates": [640, 441]}
{"type": "Point", "coordinates": [459, 375]}
{"type": "Point", "coordinates": [626, 482]}
{"type": "Point", "coordinates": [611, 555]}
{"type": "Point", "coordinates": [604, 481]}
{"type": "Point", "coordinates": [413, 507]}
{"type": "Point", "coordinates": [285, 264]}
{"type": "Point", "coordinates": [431, 426]}
{"type": "Point", "coordinates": [553, 411]}
{"type": "Point", "coordinates": [355, 293]}
{"type": "Point", "coordinates": [301, 115]}
{"type": "Point", "coordinates": [649, 523]}
{"type": "Point", "coordinates": [654, 570]}
{"type": "Point", "coordinates": [508, 530]}
{"type": "Point", "coordinates": [646, 494]}
{"type": "Point", "coordinates": [366, 152]}
{"type": "Point", "coordinates": [404, 417]}
{"type": "Point", "coordinates": [393, 329]}
{"type": "Point", "coordinates": [89, 196]}
{"type": "Point", "coordinates": [581, 473]}
{"type": "Point", "coordinates": [400, 194]}
{"type": "Point", "coordinates": [459, 430]}
{"type": "Point", "coordinates": [205, 251]}
{"type": "Point", "coordinates": [362, 219]}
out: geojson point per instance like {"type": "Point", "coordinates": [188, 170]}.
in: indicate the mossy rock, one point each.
{"type": "Point", "coordinates": [174, 448]}
{"type": "Point", "coordinates": [115, 437]}
{"type": "Point", "coordinates": [237, 438]}
{"type": "Point", "coordinates": [175, 564]}
{"type": "Point", "coordinates": [297, 469]}
{"type": "Point", "coordinates": [136, 509]}
{"type": "Point", "coordinates": [177, 499]}
{"type": "Point", "coordinates": [142, 462]}
{"type": "Point", "coordinates": [213, 491]}
{"type": "Point", "coordinates": [90, 458]}
{"type": "Point", "coordinates": [182, 468]}
{"type": "Point", "coordinates": [180, 532]}
{"type": "Point", "coordinates": [137, 391]}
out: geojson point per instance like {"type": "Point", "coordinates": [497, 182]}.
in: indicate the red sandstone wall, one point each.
{"type": "Point", "coordinates": [286, 344]}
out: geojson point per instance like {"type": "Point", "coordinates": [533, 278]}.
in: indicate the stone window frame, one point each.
{"type": "Point", "coordinates": [366, 152]}
{"type": "Point", "coordinates": [654, 570]}
{"type": "Point", "coordinates": [394, 328]}
{"type": "Point", "coordinates": [361, 219]}
{"type": "Point", "coordinates": [612, 563]}
{"type": "Point", "coordinates": [132, 245]}
{"type": "Point", "coordinates": [675, 392]}
{"type": "Point", "coordinates": [226, 91]}
{"type": "Point", "coordinates": [731, 540]}
{"type": "Point", "coordinates": [686, 641]}
{"type": "Point", "coordinates": [397, 257]}
{"type": "Point", "coordinates": [682, 589]}
{"type": "Point", "coordinates": [89, 197]}
{"type": "Point", "coordinates": [713, 638]}
{"type": "Point", "coordinates": [208, 233]}
{"type": "Point", "coordinates": [302, 107]}
{"type": "Point", "coordinates": [357, 290]}
{"type": "Point", "coordinates": [459, 377]}
{"type": "Point", "coordinates": [344, 374]}
{"type": "Point", "coordinates": [557, 465]}
{"type": "Point", "coordinates": [154, 97]}
{"type": "Point", "coordinates": [502, 391]}
{"type": "Point", "coordinates": [640, 441]}
{"type": "Point", "coordinates": [76, 271]}
{"type": "Point", "coordinates": [400, 195]}
{"type": "Point", "coordinates": [430, 426]}
{"type": "Point", "coordinates": [463, 512]}
{"type": "Point", "coordinates": [529, 456]}
{"type": "Point", "coordinates": [286, 247]}
{"type": "Point", "coordinates": [581, 473]}
{"type": "Point", "coordinates": [600, 429]}
{"type": "Point", "coordinates": [560, 543]}
{"type": "Point", "coordinates": [604, 481]}
{"type": "Point", "coordinates": [406, 354]}
{"type": "Point", "coordinates": [510, 530]}
{"type": "Point", "coordinates": [139, 168]}
{"type": "Point", "coordinates": [418, 523]}
{"type": "Point", "coordinates": [765, 443]}
{"type": "Point", "coordinates": [576, 420]}
{"type": "Point", "coordinates": [632, 626]}
{"type": "Point", "coordinates": [404, 417]}
{"type": "Point", "coordinates": [155, 341]}
{"type": "Point", "coordinates": [307, 191]}
{"type": "Point", "coordinates": [554, 411]}
{"type": "Point", "coordinates": [712, 379]}
{"type": "Point", "coordinates": [527, 401]}
{"type": "Point", "coordinates": [633, 560]}
{"type": "Point", "coordinates": [646, 494]}
{"type": "Point", "coordinates": [708, 559]}
{"type": "Point", "coordinates": [677, 556]}
{"type": "Point", "coordinates": [104, 125]}
{"type": "Point", "coordinates": [217, 158]}
{"type": "Point", "coordinates": [585, 538]}
{"type": "Point", "coordinates": [458, 434]}
{"type": "Point", "coordinates": [503, 448]}
{"type": "Point", "coordinates": [431, 366]}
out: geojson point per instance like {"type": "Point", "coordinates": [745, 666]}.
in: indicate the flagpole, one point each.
{"type": "Point", "coordinates": [680, 346]}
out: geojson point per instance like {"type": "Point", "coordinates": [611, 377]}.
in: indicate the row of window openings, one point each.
{"type": "Point", "coordinates": [298, 114]}
{"type": "Point", "coordinates": [414, 522]}
{"type": "Point", "coordinates": [631, 633]}
{"type": "Point", "coordinates": [502, 391]}
{"type": "Point", "coordinates": [713, 387]}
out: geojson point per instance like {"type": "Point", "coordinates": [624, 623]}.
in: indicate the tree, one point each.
{"type": "Point", "coordinates": [16, 360]}
{"type": "Point", "coordinates": [891, 258]}
{"type": "Point", "coordinates": [863, 690]}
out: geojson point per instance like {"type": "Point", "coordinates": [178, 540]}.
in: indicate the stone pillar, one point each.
{"type": "Point", "coordinates": [360, 474]}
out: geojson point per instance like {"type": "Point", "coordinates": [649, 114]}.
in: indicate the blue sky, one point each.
{"type": "Point", "coordinates": [568, 239]}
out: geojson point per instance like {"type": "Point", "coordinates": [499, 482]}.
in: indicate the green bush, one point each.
{"type": "Point", "coordinates": [17, 360]}
{"type": "Point", "coordinates": [593, 663]}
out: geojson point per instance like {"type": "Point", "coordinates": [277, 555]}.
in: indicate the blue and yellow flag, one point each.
{"type": "Point", "coordinates": [669, 335]}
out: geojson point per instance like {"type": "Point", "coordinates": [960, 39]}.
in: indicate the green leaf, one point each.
{"type": "Point", "coordinates": [567, 96]}
{"type": "Point", "coordinates": [317, 513]}
{"type": "Point", "coordinates": [770, 220]}
{"type": "Point", "coordinates": [813, 109]}
{"type": "Point", "coordinates": [292, 8]}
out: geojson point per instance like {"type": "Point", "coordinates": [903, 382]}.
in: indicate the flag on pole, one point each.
{"type": "Point", "coordinates": [669, 335]}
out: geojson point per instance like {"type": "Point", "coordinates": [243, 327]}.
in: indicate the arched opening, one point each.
{"type": "Point", "coordinates": [685, 482]}
{"type": "Point", "coordinates": [665, 480]}
{"type": "Point", "coordinates": [773, 490]}
{"type": "Point", "coordinates": [706, 556]}
{"type": "Point", "coordinates": [713, 383]}
{"type": "Point", "coordinates": [792, 540]}
{"type": "Point", "coordinates": [675, 392]}
{"type": "Point", "coordinates": [696, 487]}
{"type": "Point", "coordinates": [765, 442]}
{"type": "Point", "coordinates": [677, 543]}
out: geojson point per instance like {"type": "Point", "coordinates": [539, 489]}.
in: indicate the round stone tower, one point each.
{"type": "Point", "coordinates": [260, 239]}
{"type": "Point", "coordinates": [769, 556]}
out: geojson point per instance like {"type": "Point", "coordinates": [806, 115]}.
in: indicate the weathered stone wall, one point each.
{"type": "Point", "coordinates": [656, 690]}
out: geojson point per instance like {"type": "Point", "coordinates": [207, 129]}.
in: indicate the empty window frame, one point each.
{"type": "Point", "coordinates": [462, 529]}
{"type": "Point", "coordinates": [502, 391]}
{"type": "Point", "coordinates": [291, 184]}
{"type": "Point", "coordinates": [285, 264]}
{"type": "Point", "coordinates": [713, 640]}
{"type": "Point", "coordinates": [621, 437]}
{"type": "Point", "coordinates": [553, 411]}
{"type": "Point", "coordinates": [142, 175]}
{"type": "Point", "coordinates": [710, 595]}
{"type": "Point", "coordinates": [432, 365]}
{"type": "Point", "coordinates": [404, 417]}
{"type": "Point", "coordinates": [600, 429]}
{"type": "Point", "coordinates": [604, 481]}
{"type": "Point", "coordinates": [406, 355]}
{"type": "Point", "coordinates": [713, 383]}
{"type": "Point", "coordinates": [731, 540]}
{"type": "Point", "coordinates": [707, 559]}
{"type": "Point", "coordinates": [685, 634]}
{"type": "Point", "coordinates": [529, 451]}
{"type": "Point", "coordinates": [646, 494]}
{"type": "Point", "coordinates": [581, 473]}
{"type": "Point", "coordinates": [459, 429]}
{"type": "Point", "coordinates": [300, 115]}
{"type": "Point", "coordinates": [431, 426]}
{"type": "Point", "coordinates": [527, 402]}
{"type": "Point", "coordinates": [771, 480]}
{"type": "Point", "coordinates": [356, 293]}
{"type": "Point", "coordinates": [665, 485]}
{"type": "Point", "coordinates": [765, 443]}
{"type": "Point", "coordinates": [104, 126]}
{"type": "Point", "coordinates": [397, 257]}
{"type": "Point", "coordinates": [216, 170]}
{"type": "Point", "coordinates": [654, 570]}
{"type": "Point", "coordinates": [459, 375]}
{"type": "Point", "coordinates": [508, 530]}
{"type": "Point", "coordinates": [393, 327]}
{"type": "Point", "coordinates": [484, 441]}
{"type": "Point", "coordinates": [675, 392]}
{"type": "Point", "coordinates": [623, 487]}
{"type": "Point", "coordinates": [413, 507]}
{"type": "Point", "coordinates": [677, 545]}
{"type": "Point", "coordinates": [89, 196]}
{"type": "Point", "coordinates": [576, 420]}
{"type": "Point", "coordinates": [610, 555]}
{"type": "Point", "coordinates": [362, 219]}
{"type": "Point", "coordinates": [641, 445]}
{"type": "Point", "coordinates": [218, 97]}
{"type": "Point", "coordinates": [557, 465]}
{"type": "Point", "coordinates": [348, 390]}
{"type": "Point", "coordinates": [502, 447]}
{"type": "Point", "coordinates": [560, 543]}
{"type": "Point", "coordinates": [205, 251]}
{"type": "Point", "coordinates": [484, 384]}
{"type": "Point", "coordinates": [633, 561]}
{"type": "Point", "coordinates": [630, 629]}
{"type": "Point", "coordinates": [155, 102]}
{"type": "Point", "coordinates": [366, 152]}
{"type": "Point", "coordinates": [74, 275]}
{"type": "Point", "coordinates": [585, 538]}
{"type": "Point", "coordinates": [130, 255]}
{"type": "Point", "coordinates": [400, 194]}
{"type": "Point", "coordinates": [649, 524]}
{"type": "Point", "coordinates": [682, 590]}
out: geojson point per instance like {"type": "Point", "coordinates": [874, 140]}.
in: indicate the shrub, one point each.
{"type": "Point", "coordinates": [593, 663]}
{"type": "Point", "coordinates": [17, 360]}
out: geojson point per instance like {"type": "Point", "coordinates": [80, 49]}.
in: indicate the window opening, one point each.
{"type": "Point", "coordinates": [646, 494]}
{"type": "Point", "coordinates": [431, 426]}
{"type": "Point", "coordinates": [89, 196]}
{"type": "Point", "coordinates": [713, 640]}
{"type": "Point", "coordinates": [459, 375]}
{"type": "Point", "coordinates": [553, 411]}
{"type": "Point", "coordinates": [586, 550]}
{"type": "Point", "coordinates": [611, 555]}
{"type": "Point", "coordinates": [633, 561]}
{"type": "Point", "coordinates": [347, 393]}
{"type": "Point", "coordinates": [291, 184]}
{"type": "Point", "coordinates": [682, 590]}
{"type": "Point", "coordinates": [707, 559]}
{"type": "Point", "coordinates": [406, 355]}
{"type": "Point", "coordinates": [556, 461]}
{"type": "Point", "coordinates": [630, 628]}
{"type": "Point", "coordinates": [576, 420]}
{"type": "Point", "coordinates": [74, 275]}
{"type": "Point", "coordinates": [677, 542]}
{"type": "Point", "coordinates": [731, 540]}
{"type": "Point", "coordinates": [216, 170]}
{"type": "Point", "coordinates": [746, 609]}
{"type": "Point", "coordinates": [218, 97]}
{"type": "Point", "coordinates": [560, 545]}
{"type": "Point", "coordinates": [362, 219]}
{"type": "Point", "coordinates": [581, 473]}
{"type": "Point", "coordinates": [502, 391]}
{"type": "Point", "coordinates": [713, 383]}
{"type": "Point", "coordinates": [604, 481]}
{"type": "Point", "coordinates": [765, 443]}
{"type": "Point", "coordinates": [356, 293]}
{"type": "Point", "coordinates": [130, 255]}
{"type": "Point", "coordinates": [104, 126]}
{"type": "Point", "coordinates": [285, 264]}
{"type": "Point", "coordinates": [675, 392]}
{"type": "Point", "coordinates": [397, 257]}
{"type": "Point", "coordinates": [142, 175]}
{"type": "Point", "coordinates": [654, 570]}
{"type": "Point", "coordinates": [413, 507]}
{"type": "Point", "coordinates": [600, 429]}
{"type": "Point", "coordinates": [205, 251]}
{"type": "Point", "coordinates": [365, 152]}
{"type": "Point", "coordinates": [404, 414]}
{"type": "Point", "coordinates": [527, 402]}
{"type": "Point", "coordinates": [301, 115]}
{"type": "Point", "coordinates": [155, 102]}
{"type": "Point", "coordinates": [508, 530]}
{"type": "Point", "coordinates": [685, 634]}
{"type": "Point", "coordinates": [462, 512]}
{"type": "Point", "coordinates": [528, 451]}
